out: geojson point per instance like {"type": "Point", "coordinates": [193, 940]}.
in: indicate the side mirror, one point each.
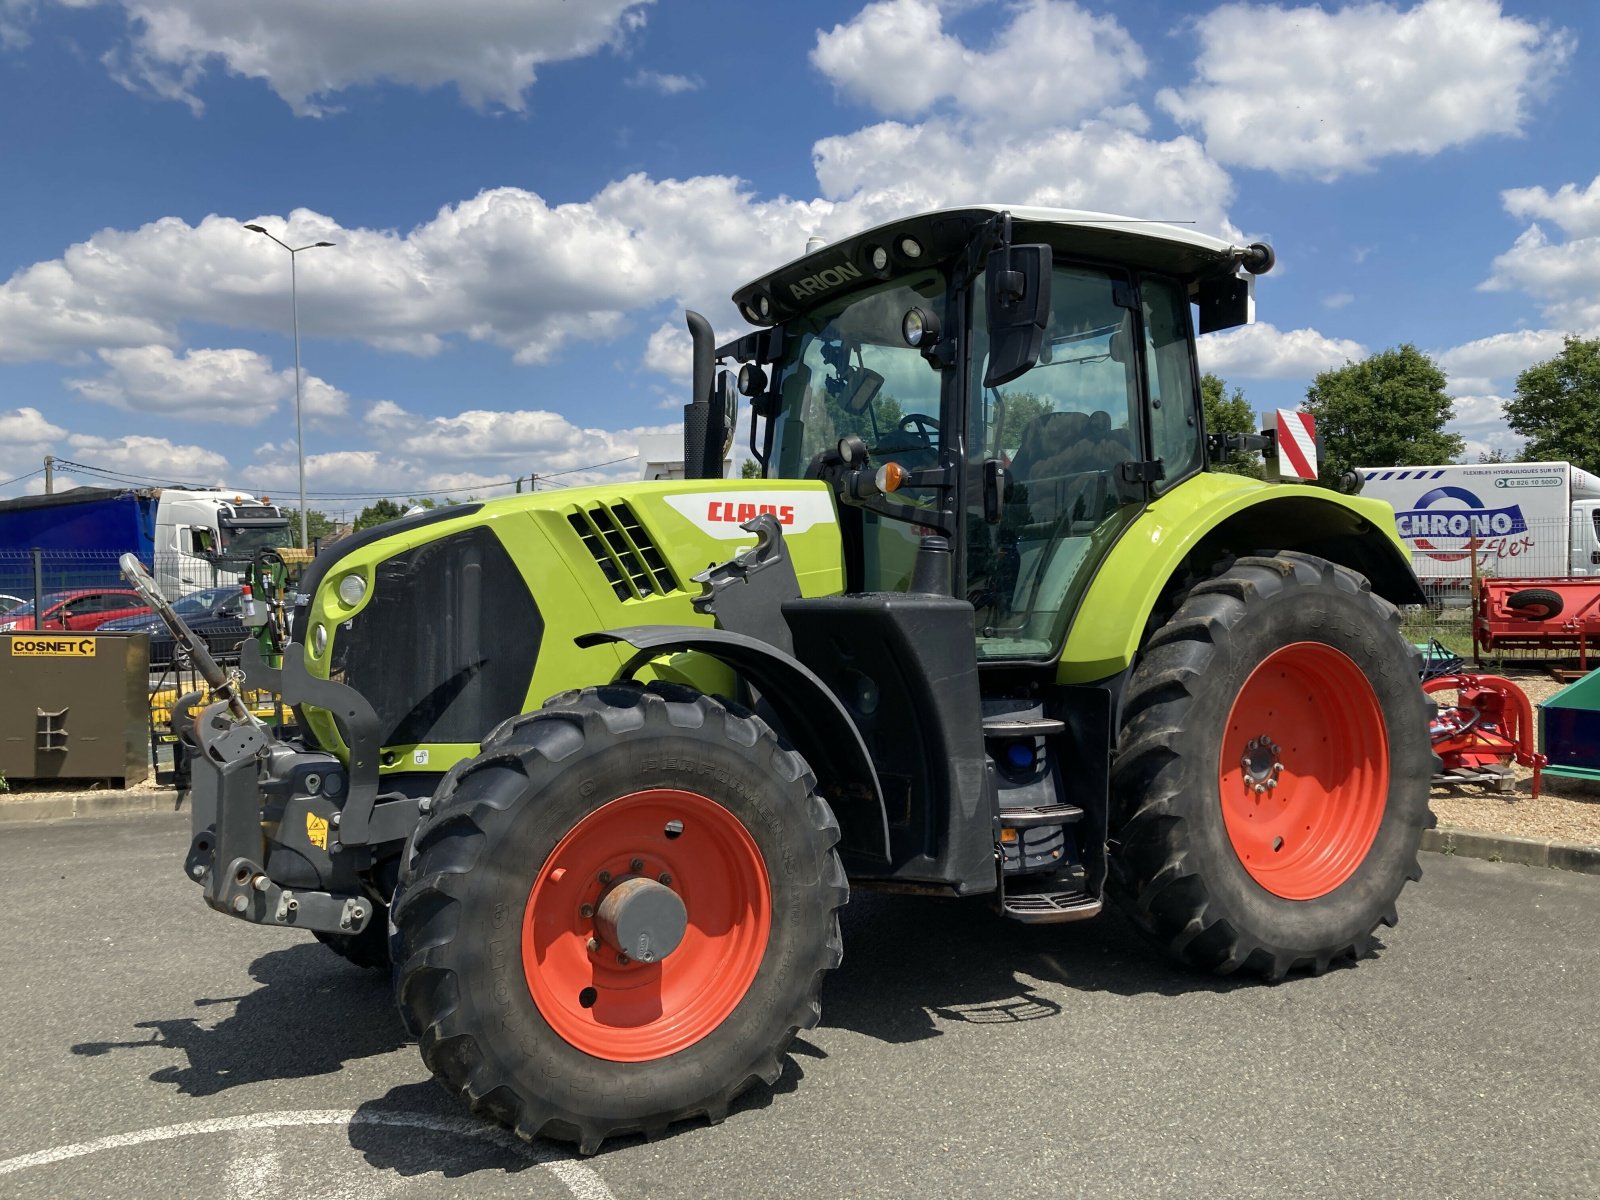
{"type": "Point", "coordinates": [720, 424]}
{"type": "Point", "coordinates": [864, 385]}
{"type": "Point", "coordinates": [1017, 283]}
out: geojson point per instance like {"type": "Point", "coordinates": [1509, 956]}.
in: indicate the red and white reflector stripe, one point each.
{"type": "Point", "coordinates": [1297, 445]}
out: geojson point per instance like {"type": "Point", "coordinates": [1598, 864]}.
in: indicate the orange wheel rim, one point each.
{"type": "Point", "coordinates": [592, 995]}
{"type": "Point", "coordinates": [1304, 771]}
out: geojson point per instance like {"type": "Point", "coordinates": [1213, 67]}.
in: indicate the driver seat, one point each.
{"type": "Point", "coordinates": [1057, 445]}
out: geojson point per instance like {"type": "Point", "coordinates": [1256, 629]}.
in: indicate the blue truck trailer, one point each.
{"type": "Point", "coordinates": [82, 520]}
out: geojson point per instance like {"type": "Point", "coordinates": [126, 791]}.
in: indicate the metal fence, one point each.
{"type": "Point", "coordinates": [31, 576]}
{"type": "Point", "coordinates": [169, 686]}
{"type": "Point", "coordinates": [1449, 562]}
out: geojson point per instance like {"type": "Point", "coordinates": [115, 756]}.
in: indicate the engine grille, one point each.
{"type": "Point", "coordinates": [624, 551]}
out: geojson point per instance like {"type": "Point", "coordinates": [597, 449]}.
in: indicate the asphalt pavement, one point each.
{"type": "Point", "coordinates": [155, 1049]}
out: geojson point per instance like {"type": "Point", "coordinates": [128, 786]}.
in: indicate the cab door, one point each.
{"type": "Point", "coordinates": [1068, 436]}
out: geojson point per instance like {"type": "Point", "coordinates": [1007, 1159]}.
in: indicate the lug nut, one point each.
{"type": "Point", "coordinates": [1277, 768]}
{"type": "Point", "coordinates": [586, 911]}
{"type": "Point", "coordinates": [664, 877]}
{"type": "Point", "coordinates": [593, 944]}
{"type": "Point", "coordinates": [636, 865]}
{"type": "Point", "coordinates": [623, 959]}
{"type": "Point", "coordinates": [605, 876]}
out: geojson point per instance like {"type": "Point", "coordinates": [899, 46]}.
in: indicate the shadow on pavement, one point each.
{"type": "Point", "coordinates": [912, 963]}
{"type": "Point", "coordinates": [412, 1150]}
{"type": "Point", "coordinates": [311, 1014]}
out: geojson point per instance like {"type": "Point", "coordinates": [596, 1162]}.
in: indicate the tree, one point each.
{"type": "Point", "coordinates": [1386, 410]}
{"type": "Point", "coordinates": [749, 469]}
{"type": "Point", "coordinates": [319, 526]}
{"type": "Point", "coordinates": [377, 513]}
{"type": "Point", "coordinates": [1230, 414]}
{"type": "Point", "coordinates": [1496, 455]}
{"type": "Point", "coordinates": [1557, 406]}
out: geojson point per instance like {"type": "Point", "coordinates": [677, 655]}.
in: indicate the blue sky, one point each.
{"type": "Point", "coordinates": [526, 193]}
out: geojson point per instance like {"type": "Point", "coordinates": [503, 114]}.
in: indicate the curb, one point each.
{"type": "Point", "coordinates": [63, 805]}
{"type": "Point", "coordinates": [1500, 847]}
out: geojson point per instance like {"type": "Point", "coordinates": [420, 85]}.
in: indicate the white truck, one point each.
{"type": "Point", "coordinates": [189, 538]}
{"type": "Point", "coordinates": [1523, 520]}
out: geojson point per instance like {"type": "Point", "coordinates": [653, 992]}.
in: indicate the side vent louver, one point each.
{"type": "Point", "coordinates": [624, 552]}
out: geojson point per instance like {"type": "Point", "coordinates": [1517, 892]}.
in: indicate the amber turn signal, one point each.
{"type": "Point", "coordinates": [890, 476]}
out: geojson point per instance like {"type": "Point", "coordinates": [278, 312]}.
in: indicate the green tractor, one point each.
{"type": "Point", "coordinates": [594, 770]}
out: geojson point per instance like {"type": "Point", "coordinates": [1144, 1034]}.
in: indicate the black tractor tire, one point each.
{"type": "Point", "coordinates": [475, 885]}
{"type": "Point", "coordinates": [1537, 604]}
{"type": "Point", "coordinates": [1179, 835]}
{"type": "Point", "coordinates": [368, 949]}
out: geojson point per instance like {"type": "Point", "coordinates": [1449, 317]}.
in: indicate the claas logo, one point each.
{"type": "Point", "coordinates": [738, 512]}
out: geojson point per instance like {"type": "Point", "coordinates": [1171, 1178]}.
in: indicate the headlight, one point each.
{"type": "Point", "coordinates": [319, 640]}
{"type": "Point", "coordinates": [352, 588]}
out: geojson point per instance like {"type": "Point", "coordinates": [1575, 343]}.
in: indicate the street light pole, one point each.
{"type": "Point", "coordinates": [299, 426]}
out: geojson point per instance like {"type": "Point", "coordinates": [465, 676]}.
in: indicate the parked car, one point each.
{"type": "Point", "coordinates": [213, 614]}
{"type": "Point", "coordinates": [76, 609]}
{"type": "Point", "coordinates": [8, 603]}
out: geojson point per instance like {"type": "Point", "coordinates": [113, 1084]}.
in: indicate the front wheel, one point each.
{"type": "Point", "coordinates": [618, 915]}
{"type": "Point", "coordinates": [1271, 785]}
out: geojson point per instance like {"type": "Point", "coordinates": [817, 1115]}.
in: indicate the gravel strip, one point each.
{"type": "Point", "coordinates": [1567, 810]}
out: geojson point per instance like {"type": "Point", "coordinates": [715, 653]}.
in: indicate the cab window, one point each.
{"type": "Point", "coordinates": [1063, 430]}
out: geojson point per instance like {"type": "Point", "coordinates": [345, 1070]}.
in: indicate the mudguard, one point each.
{"type": "Point", "coordinates": [812, 717]}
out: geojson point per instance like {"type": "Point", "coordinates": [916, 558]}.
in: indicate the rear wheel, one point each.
{"type": "Point", "coordinates": [618, 915]}
{"type": "Point", "coordinates": [1271, 784]}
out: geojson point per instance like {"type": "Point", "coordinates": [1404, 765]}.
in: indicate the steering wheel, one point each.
{"type": "Point", "coordinates": [921, 424]}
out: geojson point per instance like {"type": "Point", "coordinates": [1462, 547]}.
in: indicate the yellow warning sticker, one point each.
{"type": "Point", "coordinates": [317, 831]}
{"type": "Point", "coordinates": [52, 647]}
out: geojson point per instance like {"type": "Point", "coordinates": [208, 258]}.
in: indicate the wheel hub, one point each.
{"type": "Point", "coordinates": [642, 919]}
{"type": "Point", "coordinates": [1261, 764]}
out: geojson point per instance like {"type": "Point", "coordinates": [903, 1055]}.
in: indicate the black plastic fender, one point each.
{"type": "Point", "coordinates": [812, 716]}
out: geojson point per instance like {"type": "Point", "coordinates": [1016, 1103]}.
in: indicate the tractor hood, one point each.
{"type": "Point", "coordinates": [453, 620]}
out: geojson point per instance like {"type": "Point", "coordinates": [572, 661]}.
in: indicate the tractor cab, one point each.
{"type": "Point", "coordinates": [1019, 382]}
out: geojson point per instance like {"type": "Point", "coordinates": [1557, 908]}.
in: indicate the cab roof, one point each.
{"type": "Point", "coordinates": [841, 266]}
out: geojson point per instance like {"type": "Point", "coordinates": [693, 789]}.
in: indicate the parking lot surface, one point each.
{"type": "Point", "coordinates": [156, 1049]}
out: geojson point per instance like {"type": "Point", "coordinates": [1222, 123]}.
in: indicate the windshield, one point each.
{"type": "Point", "coordinates": [26, 610]}
{"type": "Point", "coordinates": [245, 542]}
{"type": "Point", "coordinates": [847, 370]}
{"type": "Point", "coordinates": [200, 604]}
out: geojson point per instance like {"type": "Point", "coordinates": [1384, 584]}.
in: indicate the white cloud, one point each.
{"type": "Point", "coordinates": [670, 352]}
{"type": "Point", "coordinates": [502, 267]}
{"type": "Point", "coordinates": [27, 427]}
{"type": "Point", "coordinates": [1577, 213]}
{"type": "Point", "coordinates": [1486, 363]}
{"type": "Point", "coordinates": [308, 51]}
{"type": "Point", "coordinates": [519, 437]}
{"type": "Point", "coordinates": [1564, 277]}
{"type": "Point", "coordinates": [152, 457]}
{"type": "Point", "coordinates": [477, 452]}
{"type": "Point", "coordinates": [1337, 300]}
{"type": "Point", "coordinates": [891, 168]}
{"type": "Point", "coordinates": [1481, 422]}
{"type": "Point", "coordinates": [1306, 90]}
{"type": "Point", "coordinates": [1051, 64]}
{"type": "Point", "coordinates": [15, 17]}
{"type": "Point", "coordinates": [1262, 351]}
{"type": "Point", "coordinates": [666, 84]}
{"type": "Point", "coordinates": [234, 387]}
